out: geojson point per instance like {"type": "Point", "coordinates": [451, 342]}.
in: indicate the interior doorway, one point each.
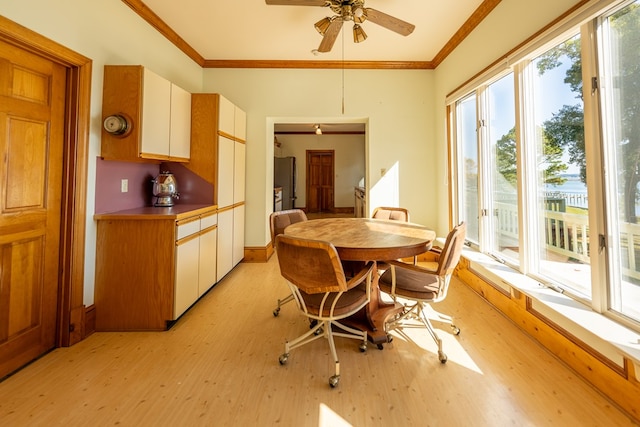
{"type": "Point", "coordinates": [320, 188]}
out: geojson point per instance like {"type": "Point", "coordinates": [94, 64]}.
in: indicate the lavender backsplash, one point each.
{"type": "Point", "coordinates": [109, 176]}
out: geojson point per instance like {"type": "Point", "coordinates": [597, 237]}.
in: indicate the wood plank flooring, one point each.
{"type": "Point", "coordinates": [218, 366]}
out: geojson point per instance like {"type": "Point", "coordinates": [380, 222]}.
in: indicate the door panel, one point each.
{"type": "Point", "coordinates": [32, 103]}
{"type": "Point", "coordinates": [320, 181]}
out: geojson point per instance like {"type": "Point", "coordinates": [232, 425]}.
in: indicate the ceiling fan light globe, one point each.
{"type": "Point", "coordinates": [358, 34]}
{"type": "Point", "coordinates": [322, 25]}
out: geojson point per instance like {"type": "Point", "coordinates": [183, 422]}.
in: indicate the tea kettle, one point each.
{"type": "Point", "coordinates": [165, 189]}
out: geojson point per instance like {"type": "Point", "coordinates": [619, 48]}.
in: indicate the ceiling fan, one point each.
{"type": "Point", "coordinates": [347, 10]}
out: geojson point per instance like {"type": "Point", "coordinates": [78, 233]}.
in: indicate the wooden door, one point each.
{"type": "Point", "coordinates": [320, 181]}
{"type": "Point", "coordinates": [32, 117]}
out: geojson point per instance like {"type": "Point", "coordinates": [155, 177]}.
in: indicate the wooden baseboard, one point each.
{"type": "Point", "coordinates": [258, 254]}
{"type": "Point", "coordinates": [89, 320]}
{"type": "Point", "coordinates": [618, 384]}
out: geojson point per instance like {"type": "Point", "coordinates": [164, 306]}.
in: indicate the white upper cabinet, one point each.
{"type": "Point", "coordinates": [180, 131]}
{"type": "Point", "coordinates": [157, 111]}
{"type": "Point", "coordinates": [226, 116]}
{"type": "Point", "coordinates": [156, 114]}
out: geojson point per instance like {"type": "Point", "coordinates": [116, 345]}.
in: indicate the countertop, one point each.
{"type": "Point", "coordinates": [175, 212]}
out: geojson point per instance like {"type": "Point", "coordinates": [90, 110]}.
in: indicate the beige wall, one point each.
{"type": "Point", "coordinates": [397, 105]}
{"type": "Point", "coordinates": [403, 109]}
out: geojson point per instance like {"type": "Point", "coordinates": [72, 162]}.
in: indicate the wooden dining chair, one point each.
{"type": "Point", "coordinates": [423, 286]}
{"type": "Point", "coordinates": [395, 214]}
{"type": "Point", "coordinates": [323, 293]}
{"type": "Point", "coordinates": [278, 221]}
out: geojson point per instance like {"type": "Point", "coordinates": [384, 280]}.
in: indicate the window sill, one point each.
{"type": "Point", "coordinates": [611, 339]}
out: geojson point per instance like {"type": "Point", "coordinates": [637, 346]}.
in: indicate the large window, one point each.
{"type": "Point", "coordinates": [620, 35]}
{"type": "Point", "coordinates": [530, 171]}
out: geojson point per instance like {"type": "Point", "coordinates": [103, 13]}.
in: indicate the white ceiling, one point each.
{"type": "Point", "coordinates": [253, 30]}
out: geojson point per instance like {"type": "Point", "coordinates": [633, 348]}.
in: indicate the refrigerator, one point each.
{"type": "Point", "coordinates": [284, 175]}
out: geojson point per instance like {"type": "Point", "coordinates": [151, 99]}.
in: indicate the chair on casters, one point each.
{"type": "Point", "coordinates": [323, 293]}
{"type": "Point", "coordinates": [423, 286]}
{"type": "Point", "coordinates": [278, 222]}
{"type": "Point", "coordinates": [395, 214]}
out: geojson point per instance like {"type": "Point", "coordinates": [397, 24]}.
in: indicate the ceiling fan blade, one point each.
{"type": "Point", "coordinates": [297, 2]}
{"type": "Point", "coordinates": [331, 35]}
{"type": "Point", "coordinates": [389, 22]}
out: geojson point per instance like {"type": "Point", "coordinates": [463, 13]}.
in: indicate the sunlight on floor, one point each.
{"type": "Point", "coordinates": [328, 418]}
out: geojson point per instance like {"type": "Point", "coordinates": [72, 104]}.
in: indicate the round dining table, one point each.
{"type": "Point", "coordinates": [368, 239]}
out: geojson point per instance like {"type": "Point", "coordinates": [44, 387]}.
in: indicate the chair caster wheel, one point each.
{"type": "Point", "coordinates": [456, 330]}
{"type": "Point", "coordinates": [283, 358]}
{"type": "Point", "coordinates": [442, 357]}
{"type": "Point", "coordinates": [380, 347]}
{"type": "Point", "coordinates": [363, 347]}
{"type": "Point", "coordinates": [333, 381]}
{"type": "Point", "coordinates": [318, 331]}
{"type": "Point", "coordinates": [276, 312]}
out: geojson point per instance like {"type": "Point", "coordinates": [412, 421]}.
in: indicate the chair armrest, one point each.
{"type": "Point", "coordinates": [413, 267]}
{"type": "Point", "coordinates": [361, 275]}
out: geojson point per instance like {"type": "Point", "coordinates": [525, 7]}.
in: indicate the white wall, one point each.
{"type": "Point", "coordinates": [397, 104]}
{"type": "Point", "coordinates": [349, 160]}
{"type": "Point", "coordinates": [508, 25]}
{"type": "Point", "coordinates": [107, 32]}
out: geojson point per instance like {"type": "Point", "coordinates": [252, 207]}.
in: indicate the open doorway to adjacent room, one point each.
{"type": "Point", "coordinates": [319, 166]}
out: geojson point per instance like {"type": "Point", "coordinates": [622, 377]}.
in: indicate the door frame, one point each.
{"type": "Point", "coordinates": [71, 320]}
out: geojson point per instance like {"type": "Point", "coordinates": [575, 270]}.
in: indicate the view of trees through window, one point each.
{"type": "Point", "coordinates": [550, 147]}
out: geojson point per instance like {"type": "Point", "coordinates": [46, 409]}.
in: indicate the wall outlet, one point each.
{"type": "Point", "coordinates": [124, 186]}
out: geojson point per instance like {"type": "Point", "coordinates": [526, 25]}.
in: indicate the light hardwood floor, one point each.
{"type": "Point", "coordinates": [218, 366]}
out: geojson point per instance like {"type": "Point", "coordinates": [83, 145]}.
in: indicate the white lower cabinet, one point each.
{"type": "Point", "coordinates": [196, 249]}
{"type": "Point", "coordinates": [225, 243]}
{"type": "Point", "coordinates": [187, 264]}
{"type": "Point", "coordinates": [207, 276]}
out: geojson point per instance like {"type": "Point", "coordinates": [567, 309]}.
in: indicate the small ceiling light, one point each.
{"type": "Point", "coordinates": [318, 130]}
{"type": "Point", "coordinates": [358, 34]}
{"type": "Point", "coordinates": [359, 15]}
{"type": "Point", "coordinates": [322, 25]}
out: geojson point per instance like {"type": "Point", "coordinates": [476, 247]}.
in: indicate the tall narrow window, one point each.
{"type": "Point", "coordinates": [621, 97]}
{"type": "Point", "coordinates": [468, 153]}
{"type": "Point", "coordinates": [502, 205]}
{"type": "Point", "coordinates": [562, 203]}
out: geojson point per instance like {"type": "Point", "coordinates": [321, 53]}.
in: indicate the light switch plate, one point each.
{"type": "Point", "coordinates": [124, 186]}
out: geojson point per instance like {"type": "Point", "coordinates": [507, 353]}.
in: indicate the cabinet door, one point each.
{"type": "Point", "coordinates": [186, 283]}
{"type": "Point", "coordinates": [208, 249]}
{"type": "Point", "coordinates": [225, 243]}
{"type": "Point", "coordinates": [156, 110]}
{"type": "Point", "coordinates": [226, 116]}
{"type": "Point", "coordinates": [240, 124]}
{"type": "Point", "coordinates": [238, 234]}
{"type": "Point", "coordinates": [239, 172]}
{"type": "Point", "coordinates": [180, 130]}
{"type": "Point", "coordinates": [226, 148]}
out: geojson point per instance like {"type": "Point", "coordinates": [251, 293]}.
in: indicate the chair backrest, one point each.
{"type": "Point", "coordinates": [397, 214]}
{"type": "Point", "coordinates": [281, 219]}
{"type": "Point", "coordinates": [311, 265]}
{"type": "Point", "coordinates": [452, 250]}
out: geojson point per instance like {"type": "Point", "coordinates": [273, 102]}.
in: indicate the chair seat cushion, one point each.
{"type": "Point", "coordinates": [410, 284]}
{"type": "Point", "coordinates": [349, 302]}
